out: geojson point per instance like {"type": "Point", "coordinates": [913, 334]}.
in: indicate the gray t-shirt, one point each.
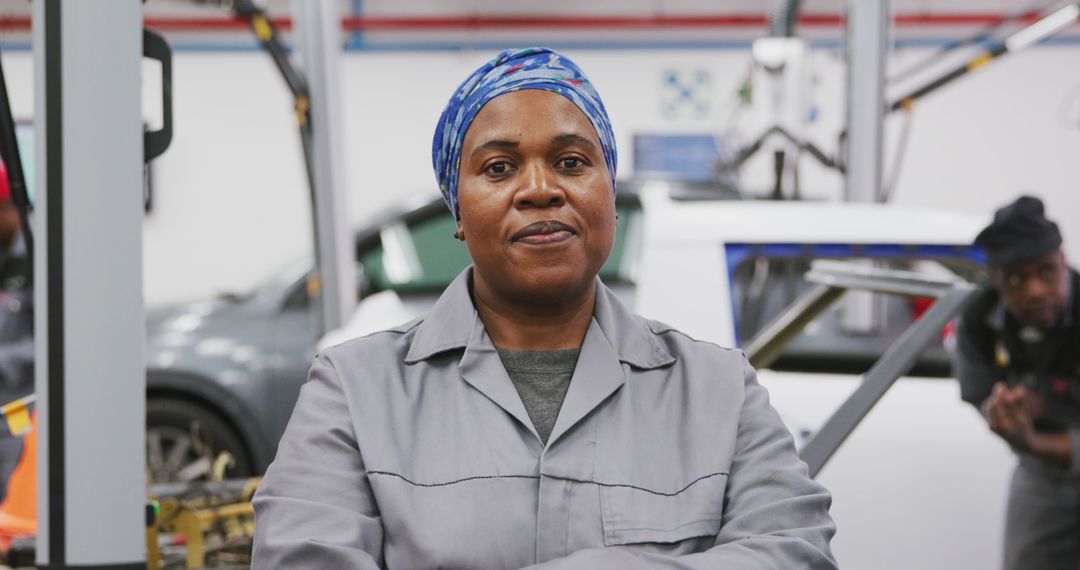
{"type": "Point", "coordinates": [541, 378]}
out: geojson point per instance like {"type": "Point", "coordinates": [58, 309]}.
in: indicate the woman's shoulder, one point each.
{"type": "Point", "coordinates": [647, 341]}
{"type": "Point", "coordinates": [379, 343]}
{"type": "Point", "coordinates": [685, 345]}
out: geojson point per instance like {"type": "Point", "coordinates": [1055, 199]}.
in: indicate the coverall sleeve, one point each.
{"type": "Point", "coordinates": [775, 516]}
{"type": "Point", "coordinates": [973, 365]}
{"type": "Point", "coordinates": [315, 508]}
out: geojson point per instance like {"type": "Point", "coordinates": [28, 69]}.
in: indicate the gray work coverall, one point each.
{"type": "Point", "coordinates": [410, 448]}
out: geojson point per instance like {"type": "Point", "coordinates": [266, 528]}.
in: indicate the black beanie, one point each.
{"type": "Point", "coordinates": [1019, 233]}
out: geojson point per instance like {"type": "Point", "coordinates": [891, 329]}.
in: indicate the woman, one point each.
{"type": "Point", "coordinates": [530, 418]}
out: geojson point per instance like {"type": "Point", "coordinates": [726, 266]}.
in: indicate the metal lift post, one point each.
{"type": "Point", "coordinates": [89, 324]}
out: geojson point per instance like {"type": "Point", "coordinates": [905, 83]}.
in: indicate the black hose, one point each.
{"type": "Point", "coordinates": [784, 16]}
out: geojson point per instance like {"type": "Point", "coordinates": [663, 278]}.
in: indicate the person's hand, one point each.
{"type": "Point", "coordinates": [1011, 413]}
{"type": "Point", "coordinates": [1030, 401]}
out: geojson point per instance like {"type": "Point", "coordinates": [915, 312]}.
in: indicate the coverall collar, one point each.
{"type": "Point", "coordinates": [450, 325]}
{"type": "Point", "coordinates": [615, 336]}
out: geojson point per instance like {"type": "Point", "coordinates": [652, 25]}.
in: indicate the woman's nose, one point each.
{"type": "Point", "coordinates": [539, 189]}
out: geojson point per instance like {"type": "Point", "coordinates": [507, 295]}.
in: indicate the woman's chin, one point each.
{"type": "Point", "coordinates": [551, 284]}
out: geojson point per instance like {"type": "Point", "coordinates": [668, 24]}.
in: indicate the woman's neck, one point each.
{"type": "Point", "coordinates": [521, 326]}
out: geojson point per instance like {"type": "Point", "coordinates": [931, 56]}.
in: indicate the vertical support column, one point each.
{"type": "Point", "coordinates": [867, 41]}
{"type": "Point", "coordinates": [317, 36]}
{"type": "Point", "coordinates": [90, 324]}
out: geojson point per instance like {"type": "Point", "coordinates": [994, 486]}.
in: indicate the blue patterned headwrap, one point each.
{"type": "Point", "coordinates": [513, 70]}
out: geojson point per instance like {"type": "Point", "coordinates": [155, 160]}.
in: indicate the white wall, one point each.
{"type": "Point", "coordinates": [230, 195]}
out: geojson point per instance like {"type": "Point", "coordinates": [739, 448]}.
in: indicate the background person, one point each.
{"type": "Point", "coordinates": [530, 417]}
{"type": "Point", "coordinates": [1018, 361]}
{"type": "Point", "coordinates": [16, 323]}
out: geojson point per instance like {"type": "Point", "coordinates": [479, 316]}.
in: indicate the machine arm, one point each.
{"type": "Point", "coordinates": [1037, 31]}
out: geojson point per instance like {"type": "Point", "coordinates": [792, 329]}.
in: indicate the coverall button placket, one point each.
{"type": "Point", "coordinates": [551, 517]}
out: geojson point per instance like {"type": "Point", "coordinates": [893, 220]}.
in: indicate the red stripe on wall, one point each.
{"type": "Point", "coordinates": [378, 23]}
{"type": "Point", "coordinates": [519, 22]}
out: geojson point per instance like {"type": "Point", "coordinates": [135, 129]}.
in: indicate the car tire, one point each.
{"type": "Point", "coordinates": [182, 440]}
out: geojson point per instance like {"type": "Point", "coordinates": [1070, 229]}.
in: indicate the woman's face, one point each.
{"type": "Point", "coordinates": [535, 198]}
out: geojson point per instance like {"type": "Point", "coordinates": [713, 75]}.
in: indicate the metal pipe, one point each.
{"type": "Point", "coordinates": [896, 362]}
{"type": "Point", "coordinates": [769, 344]}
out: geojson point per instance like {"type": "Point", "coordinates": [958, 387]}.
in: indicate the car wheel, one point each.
{"type": "Point", "coordinates": [183, 441]}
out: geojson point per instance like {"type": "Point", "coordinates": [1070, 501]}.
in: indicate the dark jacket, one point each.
{"type": "Point", "coordinates": [990, 350]}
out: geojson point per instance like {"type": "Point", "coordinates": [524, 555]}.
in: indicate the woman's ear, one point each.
{"type": "Point", "coordinates": [459, 234]}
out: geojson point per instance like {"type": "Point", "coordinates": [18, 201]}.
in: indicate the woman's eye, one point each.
{"type": "Point", "coordinates": [570, 162]}
{"type": "Point", "coordinates": [498, 168]}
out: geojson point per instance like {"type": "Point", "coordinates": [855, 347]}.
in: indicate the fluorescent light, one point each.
{"type": "Point", "coordinates": [1044, 28]}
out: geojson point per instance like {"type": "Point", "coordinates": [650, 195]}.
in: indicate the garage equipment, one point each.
{"type": "Point", "coordinates": [833, 279]}
{"type": "Point", "coordinates": [1047, 26]}
{"type": "Point", "coordinates": [214, 521]}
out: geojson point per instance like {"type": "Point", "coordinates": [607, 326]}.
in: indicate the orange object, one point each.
{"type": "Point", "coordinates": [18, 512]}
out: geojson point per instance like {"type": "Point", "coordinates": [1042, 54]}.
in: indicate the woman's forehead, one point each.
{"type": "Point", "coordinates": [529, 112]}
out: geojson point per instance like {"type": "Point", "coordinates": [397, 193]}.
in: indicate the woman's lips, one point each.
{"type": "Point", "coordinates": [544, 232]}
{"type": "Point", "coordinates": [553, 237]}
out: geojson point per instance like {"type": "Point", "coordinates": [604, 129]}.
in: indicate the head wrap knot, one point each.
{"type": "Point", "coordinates": [513, 70]}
